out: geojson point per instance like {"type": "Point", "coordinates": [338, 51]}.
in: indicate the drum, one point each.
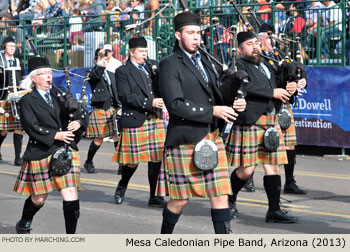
{"type": "Point", "coordinates": [3, 88]}
{"type": "Point", "coordinates": [14, 98]}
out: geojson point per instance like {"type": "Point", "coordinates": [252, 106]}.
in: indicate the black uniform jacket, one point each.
{"type": "Point", "coordinates": [41, 122]}
{"type": "Point", "coordinates": [259, 93]}
{"type": "Point", "coordinates": [135, 96]}
{"type": "Point", "coordinates": [187, 98]}
{"type": "Point", "coordinates": [102, 97]}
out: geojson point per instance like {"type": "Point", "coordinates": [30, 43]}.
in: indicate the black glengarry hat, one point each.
{"type": "Point", "coordinates": [7, 40]}
{"type": "Point", "coordinates": [38, 62]}
{"type": "Point", "coordinates": [186, 18]}
{"type": "Point", "coordinates": [137, 42]}
{"type": "Point", "coordinates": [244, 36]}
{"type": "Point", "coordinates": [266, 27]}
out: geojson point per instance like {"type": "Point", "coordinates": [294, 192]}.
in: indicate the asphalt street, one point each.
{"type": "Point", "coordinates": [324, 210]}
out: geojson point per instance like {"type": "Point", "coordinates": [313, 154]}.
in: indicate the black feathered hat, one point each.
{"type": "Point", "coordinates": [186, 18]}
{"type": "Point", "coordinates": [37, 62]}
{"type": "Point", "coordinates": [7, 40]}
{"type": "Point", "coordinates": [243, 36]}
{"type": "Point", "coordinates": [137, 42]}
{"type": "Point", "coordinates": [266, 27]}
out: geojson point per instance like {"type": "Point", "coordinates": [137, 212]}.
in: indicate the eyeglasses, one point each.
{"type": "Point", "coordinates": [45, 73]}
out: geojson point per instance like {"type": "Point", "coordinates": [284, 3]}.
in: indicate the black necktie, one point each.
{"type": "Point", "coordinates": [141, 67]}
{"type": "Point", "coordinates": [11, 63]}
{"type": "Point", "coordinates": [196, 64]}
{"type": "Point", "coordinates": [262, 70]}
{"type": "Point", "coordinates": [48, 99]}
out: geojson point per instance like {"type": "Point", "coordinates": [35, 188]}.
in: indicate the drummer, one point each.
{"type": "Point", "coordinates": [9, 85]}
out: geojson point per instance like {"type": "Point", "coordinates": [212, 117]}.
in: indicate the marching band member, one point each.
{"type": "Point", "coordinates": [188, 86]}
{"type": "Point", "coordinates": [289, 135]}
{"type": "Point", "coordinates": [246, 145]}
{"type": "Point", "coordinates": [14, 72]}
{"type": "Point", "coordinates": [104, 102]}
{"type": "Point", "coordinates": [46, 122]}
{"type": "Point", "coordinates": [143, 132]}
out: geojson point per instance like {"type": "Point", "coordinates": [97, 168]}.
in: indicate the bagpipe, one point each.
{"type": "Point", "coordinates": [61, 159]}
{"type": "Point", "coordinates": [286, 69]}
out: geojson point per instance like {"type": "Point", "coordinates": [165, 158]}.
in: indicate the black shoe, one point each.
{"type": "Point", "coordinates": [119, 195]}
{"type": "Point", "coordinates": [1, 160]}
{"type": "Point", "coordinates": [22, 230]}
{"type": "Point", "coordinates": [249, 186]}
{"type": "Point", "coordinates": [157, 202]}
{"type": "Point", "coordinates": [280, 217]}
{"type": "Point", "coordinates": [119, 172]}
{"type": "Point", "coordinates": [233, 208]}
{"type": "Point", "coordinates": [18, 162]}
{"type": "Point", "coordinates": [293, 188]}
{"type": "Point", "coordinates": [89, 167]}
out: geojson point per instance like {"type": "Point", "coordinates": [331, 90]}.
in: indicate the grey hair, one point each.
{"type": "Point", "coordinates": [125, 2]}
{"type": "Point", "coordinates": [27, 82]}
{"type": "Point", "coordinates": [262, 35]}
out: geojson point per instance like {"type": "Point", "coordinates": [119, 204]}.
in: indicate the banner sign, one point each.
{"type": "Point", "coordinates": [322, 116]}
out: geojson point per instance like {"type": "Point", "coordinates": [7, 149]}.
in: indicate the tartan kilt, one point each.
{"type": "Point", "coordinates": [248, 139]}
{"type": "Point", "coordinates": [34, 177]}
{"type": "Point", "coordinates": [9, 123]}
{"type": "Point", "coordinates": [143, 144]}
{"type": "Point", "coordinates": [101, 123]}
{"type": "Point", "coordinates": [289, 135]}
{"type": "Point", "coordinates": [180, 179]}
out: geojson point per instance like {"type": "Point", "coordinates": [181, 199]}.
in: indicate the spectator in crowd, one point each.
{"type": "Point", "coordinates": [25, 10]}
{"type": "Point", "coordinates": [280, 13]}
{"type": "Point", "coordinates": [7, 28]}
{"type": "Point", "coordinates": [295, 24]}
{"type": "Point", "coordinates": [150, 7]}
{"type": "Point", "coordinates": [331, 28]}
{"type": "Point", "coordinates": [311, 15]}
{"type": "Point", "coordinates": [122, 19]}
{"type": "Point", "coordinates": [82, 4]}
{"type": "Point", "coordinates": [4, 7]}
{"type": "Point", "coordinates": [265, 10]}
{"type": "Point", "coordinates": [67, 7]}
{"type": "Point", "coordinates": [38, 12]}
{"type": "Point", "coordinates": [135, 5]}
{"type": "Point", "coordinates": [97, 7]}
{"type": "Point", "coordinates": [110, 4]}
{"type": "Point", "coordinates": [54, 9]}
{"type": "Point", "coordinates": [75, 25]}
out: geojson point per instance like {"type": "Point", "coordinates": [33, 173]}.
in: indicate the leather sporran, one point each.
{"type": "Point", "coordinates": [271, 139]}
{"type": "Point", "coordinates": [284, 118]}
{"type": "Point", "coordinates": [205, 155]}
{"type": "Point", "coordinates": [61, 162]}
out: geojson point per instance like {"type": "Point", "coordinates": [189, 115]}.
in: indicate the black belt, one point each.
{"type": "Point", "coordinates": [273, 112]}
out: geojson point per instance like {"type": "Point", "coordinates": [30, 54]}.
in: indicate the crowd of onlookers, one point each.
{"type": "Point", "coordinates": [298, 18]}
